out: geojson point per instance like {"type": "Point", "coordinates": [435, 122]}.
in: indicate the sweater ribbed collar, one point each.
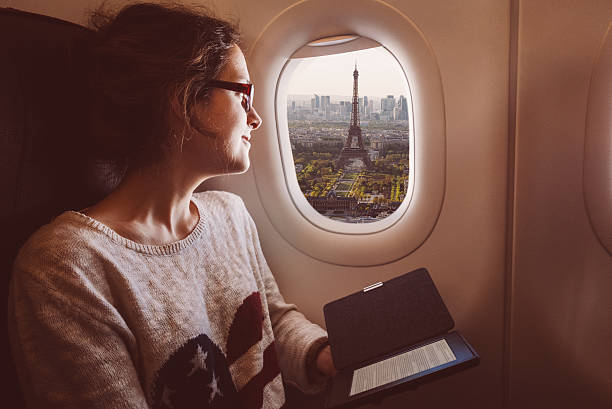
{"type": "Point", "coordinates": [157, 250]}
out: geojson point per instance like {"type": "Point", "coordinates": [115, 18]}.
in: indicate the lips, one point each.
{"type": "Point", "coordinates": [247, 138]}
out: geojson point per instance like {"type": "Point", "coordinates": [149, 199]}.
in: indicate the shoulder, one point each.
{"type": "Point", "coordinates": [218, 196]}
{"type": "Point", "coordinates": [220, 201]}
{"type": "Point", "coordinates": [56, 251]}
{"type": "Point", "coordinates": [228, 212]}
{"type": "Point", "coordinates": [55, 237]}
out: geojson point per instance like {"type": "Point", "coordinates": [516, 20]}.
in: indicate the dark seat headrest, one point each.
{"type": "Point", "coordinates": [46, 160]}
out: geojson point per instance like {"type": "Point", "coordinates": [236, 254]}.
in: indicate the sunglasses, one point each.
{"type": "Point", "coordinates": [247, 89]}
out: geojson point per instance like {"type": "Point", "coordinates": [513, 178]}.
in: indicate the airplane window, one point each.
{"type": "Point", "coordinates": [349, 118]}
{"type": "Point", "coordinates": [381, 198]}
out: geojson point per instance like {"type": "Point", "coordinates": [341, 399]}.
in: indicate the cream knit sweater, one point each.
{"type": "Point", "coordinates": [99, 321]}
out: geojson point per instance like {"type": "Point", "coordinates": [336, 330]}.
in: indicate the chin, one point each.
{"type": "Point", "coordinates": [243, 170]}
{"type": "Point", "coordinates": [238, 166]}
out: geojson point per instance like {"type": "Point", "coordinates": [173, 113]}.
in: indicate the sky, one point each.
{"type": "Point", "coordinates": [379, 74]}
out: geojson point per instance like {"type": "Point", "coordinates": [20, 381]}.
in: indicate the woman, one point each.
{"type": "Point", "coordinates": [158, 296]}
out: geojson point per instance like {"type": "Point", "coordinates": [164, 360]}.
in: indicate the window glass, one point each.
{"type": "Point", "coordinates": [349, 118]}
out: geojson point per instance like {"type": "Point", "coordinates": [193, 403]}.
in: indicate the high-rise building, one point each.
{"type": "Point", "coordinates": [387, 104]}
{"type": "Point", "coordinates": [403, 108]}
{"type": "Point", "coordinates": [325, 102]}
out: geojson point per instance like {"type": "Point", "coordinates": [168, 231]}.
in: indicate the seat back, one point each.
{"type": "Point", "coordinates": [46, 161]}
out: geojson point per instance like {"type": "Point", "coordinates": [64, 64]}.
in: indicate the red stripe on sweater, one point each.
{"type": "Point", "coordinates": [246, 329]}
{"type": "Point", "coordinates": [251, 395]}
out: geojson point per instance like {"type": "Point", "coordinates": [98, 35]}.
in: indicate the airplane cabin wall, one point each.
{"type": "Point", "coordinates": [465, 253]}
{"type": "Point", "coordinates": [561, 302]}
{"type": "Point", "coordinates": [558, 274]}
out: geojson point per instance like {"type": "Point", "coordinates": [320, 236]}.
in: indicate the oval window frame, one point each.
{"type": "Point", "coordinates": [354, 244]}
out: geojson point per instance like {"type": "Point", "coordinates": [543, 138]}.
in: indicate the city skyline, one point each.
{"type": "Point", "coordinates": [379, 75]}
{"type": "Point", "coordinates": [344, 175]}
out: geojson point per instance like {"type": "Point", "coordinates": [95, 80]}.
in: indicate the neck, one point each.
{"type": "Point", "coordinates": [151, 206]}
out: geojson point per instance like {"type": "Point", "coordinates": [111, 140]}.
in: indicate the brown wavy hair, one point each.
{"type": "Point", "coordinates": [149, 62]}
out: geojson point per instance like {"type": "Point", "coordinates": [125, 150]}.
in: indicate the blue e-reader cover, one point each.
{"type": "Point", "coordinates": [390, 334]}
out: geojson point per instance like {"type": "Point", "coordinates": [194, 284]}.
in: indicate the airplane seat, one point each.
{"type": "Point", "coordinates": [47, 164]}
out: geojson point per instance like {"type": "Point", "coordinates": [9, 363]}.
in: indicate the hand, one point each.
{"type": "Point", "coordinates": [325, 363]}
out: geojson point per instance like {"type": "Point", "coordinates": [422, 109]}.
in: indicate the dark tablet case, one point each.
{"type": "Point", "coordinates": [370, 325]}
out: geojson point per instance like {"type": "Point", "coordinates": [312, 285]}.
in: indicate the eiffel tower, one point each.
{"type": "Point", "coordinates": [349, 151]}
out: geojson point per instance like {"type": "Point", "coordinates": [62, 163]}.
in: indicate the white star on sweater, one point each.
{"type": "Point", "coordinates": [198, 361]}
{"type": "Point", "coordinates": [214, 388]}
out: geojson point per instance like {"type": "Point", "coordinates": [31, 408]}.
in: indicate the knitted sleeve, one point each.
{"type": "Point", "coordinates": [297, 339]}
{"type": "Point", "coordinates": [67, 357]}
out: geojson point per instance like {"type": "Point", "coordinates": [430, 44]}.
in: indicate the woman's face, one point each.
{"type": "Point", "coordinates": [223, 127]}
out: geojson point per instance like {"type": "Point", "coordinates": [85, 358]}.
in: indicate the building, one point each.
{"type": "Point", "coordinates": [403, 108]}
{"type": "Point", "coordinates": [377, 144]}
{"type": "Point", "coordinates": [325, 102]}
{"type": "Point", "coordinates": [387, 104]}
{"type": "Point", "coordinates": [333, 203]}
{"type": "Point", "coordinates": [387, 107]}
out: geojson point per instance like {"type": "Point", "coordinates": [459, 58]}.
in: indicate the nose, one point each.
{"type": "Point", "coordinates": [253, 118]}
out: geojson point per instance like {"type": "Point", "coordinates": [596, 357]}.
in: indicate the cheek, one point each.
{"type": "Point", "coordinates": [229, 145]}
{"type": "Point", "coordinates": [228, 123]}
{"type": "Point", "coordinates": [214, 115]}
{"type": "Point", "coordinates": [213, 122]}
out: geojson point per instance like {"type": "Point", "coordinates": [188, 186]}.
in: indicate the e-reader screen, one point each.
{"type": "Point", "coordinates": [421, 362]}
{"type": "Point", "coordinates": [401, 366]}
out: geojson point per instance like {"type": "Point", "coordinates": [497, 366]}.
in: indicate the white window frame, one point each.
{"type": "Point", "coordinates": [287, 209]}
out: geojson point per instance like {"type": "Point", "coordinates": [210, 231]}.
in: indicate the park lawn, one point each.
{"type": "Point", "coordinates": [343, 186]}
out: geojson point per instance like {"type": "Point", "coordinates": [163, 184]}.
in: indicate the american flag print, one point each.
{"type": "Point", "coordinates": [198, 373]}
